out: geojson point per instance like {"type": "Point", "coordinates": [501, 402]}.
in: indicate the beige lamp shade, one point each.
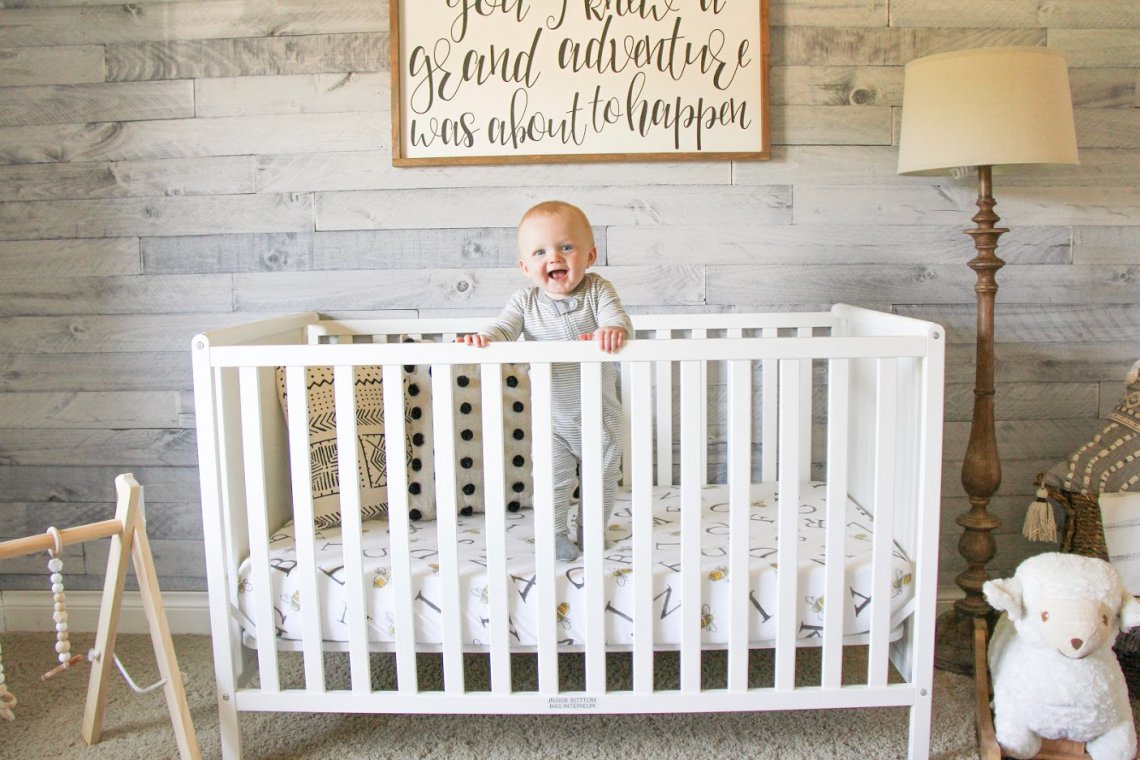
{"type": "Point", "coordinates": [986, 107]}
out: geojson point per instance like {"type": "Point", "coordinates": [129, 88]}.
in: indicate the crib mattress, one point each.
{"type": "Point", "coordinates": [668, 605]}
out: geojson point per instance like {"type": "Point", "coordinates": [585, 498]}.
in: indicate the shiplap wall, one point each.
{"type": "Point", "coordinates": [169, 167]}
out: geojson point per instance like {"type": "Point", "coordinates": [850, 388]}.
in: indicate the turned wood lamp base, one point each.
{"type": "Point", "coordinates": [981, 468]}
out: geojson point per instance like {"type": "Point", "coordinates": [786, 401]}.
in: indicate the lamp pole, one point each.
{"type": "Point", "coordinates": [981, 468]}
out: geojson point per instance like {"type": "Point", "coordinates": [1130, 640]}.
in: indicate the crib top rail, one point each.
{"type": "Point", "coordinates": [712, 349]}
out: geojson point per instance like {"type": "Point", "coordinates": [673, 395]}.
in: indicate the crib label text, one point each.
{"type": "Point", "coordinates": [573, 703]}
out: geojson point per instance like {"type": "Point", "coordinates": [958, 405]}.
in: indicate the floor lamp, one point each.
{"type": "Point", "coordinates": [982, 108]}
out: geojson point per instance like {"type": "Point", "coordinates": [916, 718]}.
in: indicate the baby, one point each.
{"type": "Point", "coordinates": [565, 302]}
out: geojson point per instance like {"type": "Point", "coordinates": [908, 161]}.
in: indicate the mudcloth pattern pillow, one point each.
{"type": "Point", "coordinates": [370, 454]}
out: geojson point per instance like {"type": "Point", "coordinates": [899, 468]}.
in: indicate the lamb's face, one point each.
{"type": "Point", "coordinates": [1067, 602]}
{"type": "Point", "coordinates": [1074, 627]}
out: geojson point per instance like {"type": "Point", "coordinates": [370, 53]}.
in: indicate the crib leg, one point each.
{"type": "Point", "coordinates": [229, 681]}
{"type": "Point", "coordinates": [920, 715]}
{"type": "Point", "coordinates": [228, 730]}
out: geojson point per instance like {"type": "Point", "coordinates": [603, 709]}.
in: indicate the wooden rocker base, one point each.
{"type": "Point", "coordinates": [988, 748]}
{"type": "Point", "coordinates": [127, 532]}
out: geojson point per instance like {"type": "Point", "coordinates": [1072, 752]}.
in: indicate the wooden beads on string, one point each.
{"type": "Point", "coordinates": [59, 609]}
{"type": "Point", "coordinates": [59, 597]}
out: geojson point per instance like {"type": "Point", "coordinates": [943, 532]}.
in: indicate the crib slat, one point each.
{"type": "Point", "coordinates": [232, 478]}
{"type": "Point", "coordinates": [740, 502]}
{"type": "Point", "coordinates": [882, 544]}
{"type": "Point", "coordinates": [299, 458]}
{"type": "Point", "coordinates": [344, 396]}
{"type": "Point", "coordinates": [494, 495]}
{"type": "Point", "coordinates": [400, 572]}
{"type": "Point", "coordinates": [664, 418]}
{"type": "Point", "coordinates": [256, 512]}
{"type": "Point", "coordinates": [787, 560]}
{"type": "Point", "coordinates": [691, 481]}
{"type": "Point", "coordinates": [443, 428]}
{"type": "Point", "coordinates": [546, 619]}
{"type": "Point", "coordinates": [769, 412]}
{"type": "Point", "coordinates": [838, 402]}
{"type": "Point", "coordinates": [626, 416]}
{"type": "Point", "coordinates": [702, 334]}
{"type": "Point", "coordinates": [805, 412]}
{"type": "Point", "coordinates": [593, 529]}
{"type": "Point", "coordinates": [641, 469]}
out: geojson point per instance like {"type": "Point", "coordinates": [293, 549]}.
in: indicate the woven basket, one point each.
{"type": "Point", "coordinates": [1083, 533]}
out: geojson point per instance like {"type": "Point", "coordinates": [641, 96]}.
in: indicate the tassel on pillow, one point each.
{"type": "Point", "coordinates": [1040, 524]}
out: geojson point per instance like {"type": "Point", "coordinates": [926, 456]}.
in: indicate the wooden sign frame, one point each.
{"type": "Point", "coordinates": [559, 81]}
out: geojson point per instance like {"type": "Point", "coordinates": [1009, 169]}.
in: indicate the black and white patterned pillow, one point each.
{"type": "Point", "coordinates": [371, 452]}
{"type": "Point", "coordinates": [418, 425]}
{"type": "Point", "coordinates": [323, 460]}
{"type": "Point", "coordinates": [468, 426]}
{"type": "Point", "coordinates": [469, 437]}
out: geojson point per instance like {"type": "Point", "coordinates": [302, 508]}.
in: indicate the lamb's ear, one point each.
{"type": "Point", "coordinates": [1129, 612]}
{"type": "Point", "coordinates": [1004, 594]}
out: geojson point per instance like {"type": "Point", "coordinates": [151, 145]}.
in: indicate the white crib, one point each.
{"type": "Point", "coordinates": [830, 412]}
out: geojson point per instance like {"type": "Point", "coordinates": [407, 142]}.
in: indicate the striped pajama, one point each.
{"type": "Point", "coordinates": [534, 316]}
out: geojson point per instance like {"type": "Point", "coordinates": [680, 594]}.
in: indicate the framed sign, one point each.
{"type": "Point", "coordinates": [529, 81]}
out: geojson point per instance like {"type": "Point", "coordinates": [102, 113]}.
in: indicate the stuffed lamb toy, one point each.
{"type": "Point", "coordinates": [1054, 673]}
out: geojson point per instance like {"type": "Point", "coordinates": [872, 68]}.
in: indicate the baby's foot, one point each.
{"type": "Point", "coordinates": [564, 548]}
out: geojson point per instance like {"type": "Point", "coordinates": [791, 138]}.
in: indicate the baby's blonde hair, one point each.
{"type": "Point", "coordinates": [561, 208]}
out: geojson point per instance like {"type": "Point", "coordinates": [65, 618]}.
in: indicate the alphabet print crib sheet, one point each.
{"type": "Point", "coordinates": [618, 563]}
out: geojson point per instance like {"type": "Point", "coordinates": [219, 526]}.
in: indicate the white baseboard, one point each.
{"type": "Point", "coordinates": [30, 611]}
{"type": "Point", "coordinates": [186, 611]}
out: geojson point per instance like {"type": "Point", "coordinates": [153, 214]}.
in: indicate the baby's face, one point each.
{"type": "Point", "coordinates": [555, 250]}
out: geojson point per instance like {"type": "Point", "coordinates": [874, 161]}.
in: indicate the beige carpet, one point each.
{"type": "Point", "coordinates": [49, 717]}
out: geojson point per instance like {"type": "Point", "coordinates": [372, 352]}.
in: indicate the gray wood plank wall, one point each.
{"type": "Point", "coordinates": [168, 167]}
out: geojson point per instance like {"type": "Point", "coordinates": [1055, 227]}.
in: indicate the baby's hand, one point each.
{"type": "Point", "coordinates": [474, 340]}
{"type": "Point", "coordinates": [610, 339]}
